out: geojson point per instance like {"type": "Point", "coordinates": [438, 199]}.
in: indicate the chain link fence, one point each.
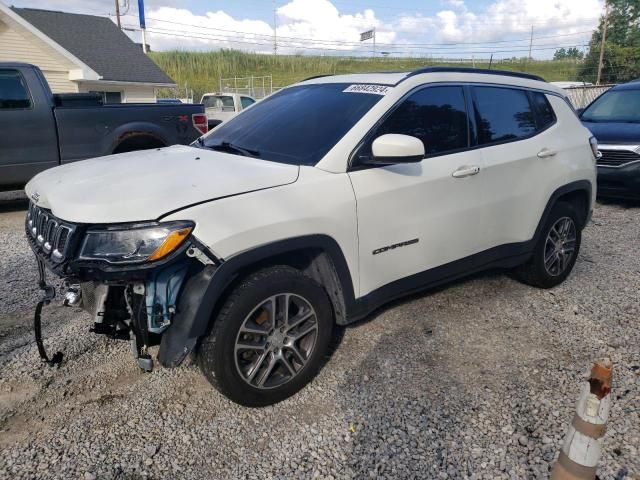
{"type": "Point", "coordinates": [256, 87]}
{"type": "Point", "coordinates": [581, 96]}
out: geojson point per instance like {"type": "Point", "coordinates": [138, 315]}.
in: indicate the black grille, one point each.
{"type": "Point", "coordinates": [617, 158]}
{"type": "Point", "coordinates": [49, 233]}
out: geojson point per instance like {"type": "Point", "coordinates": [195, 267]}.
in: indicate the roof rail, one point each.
{"type": "Point", "coordinates": [318, 76]}
{"type": "Point", "coordinates": [483, 71]}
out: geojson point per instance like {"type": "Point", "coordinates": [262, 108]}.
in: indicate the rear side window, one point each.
{"type": "Point", "coordinates": [546, 116]}
{"type": "Point", "coordinates": [503, 114]}
{"type": "Point", "coordinates": [435, 115]}
{"type": "Point", "coordinates": [13, 90]}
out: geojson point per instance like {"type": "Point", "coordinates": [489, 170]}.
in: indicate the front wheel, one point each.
{"type": "Point", "coordinates": [556, 251]}
{"type": "Point", "coordinates": [270, 337]}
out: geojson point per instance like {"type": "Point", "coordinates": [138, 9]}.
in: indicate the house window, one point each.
{"type": "Point", "coordinates": [110, 97]}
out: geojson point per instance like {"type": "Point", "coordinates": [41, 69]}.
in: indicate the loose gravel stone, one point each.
{"type": "Point", "coordinates": [476, 380]}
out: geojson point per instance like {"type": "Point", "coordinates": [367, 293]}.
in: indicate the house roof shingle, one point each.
{"type": "Point", "coordinates": [99, 43]}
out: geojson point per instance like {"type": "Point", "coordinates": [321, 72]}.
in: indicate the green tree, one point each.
{"type": "Point", "coordinates": [560, 54]}
{"type": "Point", "coordinates": [574, 53]}
{"type": "Point", "coordinates": [622, 45]}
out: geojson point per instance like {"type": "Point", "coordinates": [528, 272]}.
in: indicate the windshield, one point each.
{"type": "Point", "coordinates": [615, 106]}
{"type": "Point", "coordinates": [224, 103]}
{"type": "Point", "coordinates": [297, 125]}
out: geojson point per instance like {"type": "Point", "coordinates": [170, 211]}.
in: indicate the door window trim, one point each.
{"type": "Point", "coordinates": [534, 109]}
{"type": "Point", "coordinates": [538, 113]}
{"type": "Point", "coordinates": [352, 168]}
{"type": "Point", "coordinates": [26, 87]}
{"type": "Point", "coordinates": [472, 127]}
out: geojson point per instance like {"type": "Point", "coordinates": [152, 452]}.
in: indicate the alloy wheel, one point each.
{"type": "Point", "coordinates": [560, 246]}
{"type": "Point", "coordinates": [276, 341]}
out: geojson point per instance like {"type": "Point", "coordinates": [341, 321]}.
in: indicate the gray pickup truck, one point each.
{"type": "Point", "coordinates": [39, 130]}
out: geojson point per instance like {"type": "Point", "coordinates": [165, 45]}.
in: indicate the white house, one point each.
{"type": "Point", "coordinates": [80, 53]}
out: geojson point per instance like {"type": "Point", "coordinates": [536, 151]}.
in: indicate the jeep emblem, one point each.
{"type": "Point", "coordinates": [35, 197]}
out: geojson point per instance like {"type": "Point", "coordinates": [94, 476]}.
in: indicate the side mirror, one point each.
{"type": "Point", "coordinates": [395, 148]}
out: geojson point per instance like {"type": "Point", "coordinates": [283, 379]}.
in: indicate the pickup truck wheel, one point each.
{"type": "Point", "coordinates": [557, 249]}
{"type": "Point", "coordinates": [270, 337]}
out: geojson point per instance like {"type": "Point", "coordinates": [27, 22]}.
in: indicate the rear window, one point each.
{"type": "Point", "coordinates": [503, 114]}
{"type": "Point", "coordinates": [222, 103]}
{"type": "Point", "coordinates": [13, 90]}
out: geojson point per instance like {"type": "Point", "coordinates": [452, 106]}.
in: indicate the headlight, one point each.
{"type": "Point", "coordinates": [134, 244]}
{"type": "Point", "coordinates": [594, 148]}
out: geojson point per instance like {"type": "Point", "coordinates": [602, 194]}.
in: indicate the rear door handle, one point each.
{"type": "Point", "coordinates": [546, 153]}
{"type": "Point", "coordinates": [466, 171]}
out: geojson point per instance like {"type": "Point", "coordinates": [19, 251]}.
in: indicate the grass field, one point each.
{"type": "Point", "coordinates": [202, 71]}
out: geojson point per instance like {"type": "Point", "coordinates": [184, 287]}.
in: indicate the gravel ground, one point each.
{"type": "Point", "coordinates": [475, 380]}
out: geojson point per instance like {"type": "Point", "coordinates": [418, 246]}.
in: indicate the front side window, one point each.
{"type": "Point", "coordinates": [13, 90]}
{"type": "Point", "coordinates": [502, 114]}
{"type": "Point", "coordinates": [246, 102]}
{"type": "Point", "coordinates": [614, 106]}
{"type": "Point", "coordinates": [297, 125]}
{"type": "Point", "coordinates": [435, 115]}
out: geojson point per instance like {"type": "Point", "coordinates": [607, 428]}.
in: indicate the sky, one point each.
{"type": "Point", "coordinates": [420, 28]}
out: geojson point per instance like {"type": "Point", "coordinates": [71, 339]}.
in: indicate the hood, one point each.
{"type": "Point", "coordinates": [145, 185]}
{"type": "Point", "coordinates": [615, 133]}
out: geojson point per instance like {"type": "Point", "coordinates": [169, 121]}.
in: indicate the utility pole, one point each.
{"type": "Point", "coordinates": [143, 25]}
{"type": "Point", "coordinates": [275, 27]}
{"type": "Point", "coordinates": [602, 41]}
{"type": "Point", "coordinates": [531, 42]}
{"type": "Point", "coordinates": [118, 13]}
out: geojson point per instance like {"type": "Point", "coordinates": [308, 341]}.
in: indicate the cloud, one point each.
{"type": "Point", "coordinates": [503, 18]}
{"type": "Point", "coordinates": [319, 27]}
{"type": "Point", "coordinates": [318, 20]}
{"type": "Point", "coordinates": [459, 4]}
{"type": "Point", "coordinates": [170, 27]}
{"type": "Point", "coordinates": [310, 26]}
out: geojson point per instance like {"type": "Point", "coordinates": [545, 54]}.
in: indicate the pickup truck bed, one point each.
{"type": "Point", "coordinates": [41, 130]}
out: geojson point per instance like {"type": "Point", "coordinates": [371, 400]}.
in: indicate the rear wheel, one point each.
{"type": "Point", "coordinates": [557, 249]}
{"type": "Point", "coordinates": [270, 337]}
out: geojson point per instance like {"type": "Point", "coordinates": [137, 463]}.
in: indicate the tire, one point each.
{"type": "Point", "coordinates": [559, 265]}
{"type": "Point", "coordinates": [256, 363]}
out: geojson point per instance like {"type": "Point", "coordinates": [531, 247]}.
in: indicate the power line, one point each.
{"type": "Point", "coordinates": [338, 42]}
{"type": "Point", "coordinates": [395, 48]}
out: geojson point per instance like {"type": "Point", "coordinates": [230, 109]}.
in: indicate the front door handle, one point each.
{"type": "Point", "coordinates": [466, 171]}
{"type": "Point", "coordinates": [546, 153]}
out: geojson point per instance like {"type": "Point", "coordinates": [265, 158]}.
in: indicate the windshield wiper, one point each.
{"type": "Point", "coordinates": [231, 148]}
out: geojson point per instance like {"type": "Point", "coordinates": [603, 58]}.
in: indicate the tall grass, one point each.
{"type": "Point", "coordinates": [202, 71]}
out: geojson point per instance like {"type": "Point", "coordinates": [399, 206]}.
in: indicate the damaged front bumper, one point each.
{"type": "Point", "coordinates": [153, 303]}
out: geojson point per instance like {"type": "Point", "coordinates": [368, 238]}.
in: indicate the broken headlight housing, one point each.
{"type": "Point", "coordinates": [134, 243]}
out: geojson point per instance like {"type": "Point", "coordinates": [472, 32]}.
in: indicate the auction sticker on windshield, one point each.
{"type": "Point", "coordinates": [362, 88]}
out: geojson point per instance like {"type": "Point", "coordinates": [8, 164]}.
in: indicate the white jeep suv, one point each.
{"type": "Point", "coordinates": [310, 210]}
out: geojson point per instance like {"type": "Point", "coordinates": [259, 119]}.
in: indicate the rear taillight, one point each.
{"type": "Point", "coordinates": [200, 122]}
{"type": "Point", "coordinates": [594, 148]}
